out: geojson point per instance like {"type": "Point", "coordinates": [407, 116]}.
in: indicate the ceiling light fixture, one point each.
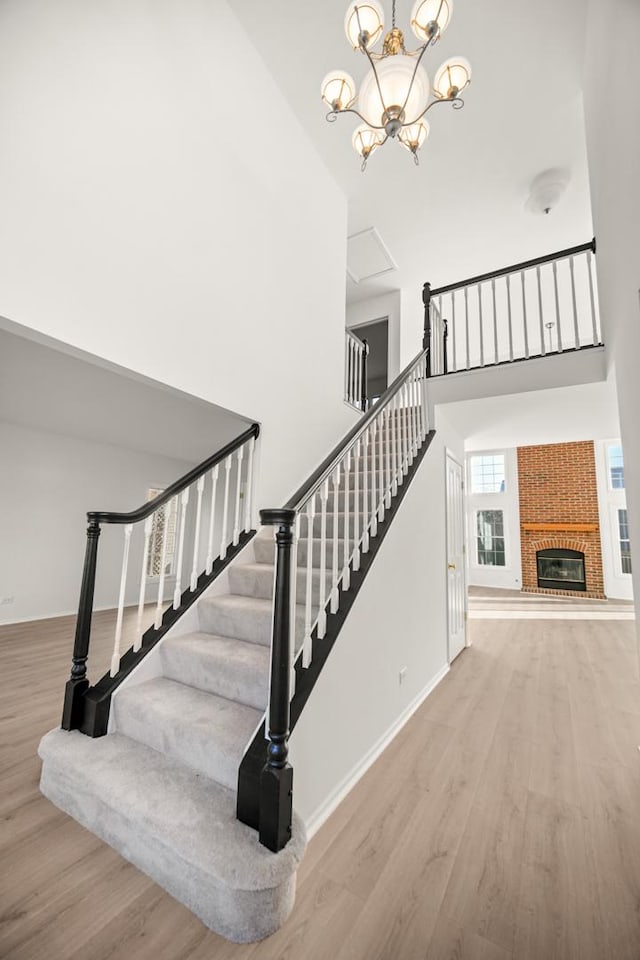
{"type": "Point", "coordinates": [396, 93]}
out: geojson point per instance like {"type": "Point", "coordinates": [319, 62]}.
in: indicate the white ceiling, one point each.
{"type": "Point", "coordinates": [461, 211]}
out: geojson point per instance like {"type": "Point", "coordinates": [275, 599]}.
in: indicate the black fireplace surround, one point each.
{"type": "Point", "coordinates": [561, 569]}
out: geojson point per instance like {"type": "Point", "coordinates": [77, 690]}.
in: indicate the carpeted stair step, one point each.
{"type": "Point", "coordinates": [256, 580]}
{"type": "Point", "coordinates": [234, 669]}
{"type": "Point", "coordinates": [206, 732]}
{"type": "Point", "coordinates": [265, 551]}
{"type": "Point", "coordinates": [177, 827]}
{"type": "Point", "coordinates": [243, 618]}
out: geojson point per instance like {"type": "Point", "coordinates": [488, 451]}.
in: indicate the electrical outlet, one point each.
{"type": "Point", "coordinates": [402, 675]}
{"type": "Point", "coordinates": [4, 600]}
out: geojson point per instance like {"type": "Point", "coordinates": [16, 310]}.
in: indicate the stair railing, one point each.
{"type": "Point", "coordinates": [363, 473]}
{"type": "Point", "coordinates": [356, 353]}
{"type": "Point", "coordinates": [187, 534]}
{"type": "Point", "coordinates": [543, 306]}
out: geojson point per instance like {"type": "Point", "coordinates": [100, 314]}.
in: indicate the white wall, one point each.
{"type": "Point", "coordinates": [612, 106]}
{"type": "Point", "coordinates": [399, 620]}
{"type": "Point", "coordinates": [48, 482]}
{"type": "Point", "coordinates": [163, 208]}
{"type": "Point", "coordinates": [510, 576]}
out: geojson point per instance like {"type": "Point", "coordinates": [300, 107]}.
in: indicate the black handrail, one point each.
{"type": "Point", "coordinates": [134, 516]}
{"type": "Point", "coordinates": [517, 267]}
{"type": "Point", "coordinates": [331, 461]}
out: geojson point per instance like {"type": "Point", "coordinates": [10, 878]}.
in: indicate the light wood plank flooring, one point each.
{"type": "Point", "coordinates": [503, 822]}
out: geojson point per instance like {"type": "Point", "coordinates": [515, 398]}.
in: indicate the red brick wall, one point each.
{"type": "Point", "coordinates": [557, 484]}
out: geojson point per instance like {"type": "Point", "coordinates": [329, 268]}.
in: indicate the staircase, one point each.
{"type": "Point", "coordinates": [161, 786]}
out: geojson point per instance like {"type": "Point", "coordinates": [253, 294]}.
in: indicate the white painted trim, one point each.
{"type": "Point", "coordinates": [345, 786]}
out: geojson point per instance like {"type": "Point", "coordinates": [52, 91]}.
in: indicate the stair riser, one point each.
{"type": "Point", "coordinates": [265, 551]}
{"type": "Point", "coordinates": [251, 625]}
{"type": "Point", "coordinates": [259, 583]}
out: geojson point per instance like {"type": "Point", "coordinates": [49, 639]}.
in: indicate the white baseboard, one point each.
{"type": "Point", "coordinates": [345, 786]}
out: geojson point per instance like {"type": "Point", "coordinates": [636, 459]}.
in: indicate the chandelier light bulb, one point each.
{"type": "Point", "coordinates": [338, 90]}
{"type": "Point", "coordinates": [413, 136]}
{"type": "Point", "coordinates": [364, 21]}
{"type": "Point", "coordinates": [393, 100]}
{"type": "Point", "coordinates": [452, 78]}
{"type": "Point", "coordinates": [365, 140]}
{"type": "Point", "coordinates": [430, 18]}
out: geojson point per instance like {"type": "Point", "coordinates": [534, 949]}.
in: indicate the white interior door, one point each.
{"type": "Point", "coordinates": [456, 580]}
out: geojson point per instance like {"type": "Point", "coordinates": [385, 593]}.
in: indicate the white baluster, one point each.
{"type": "Point", "coordinates": [543, 346]}
{"type": "Point", "coordinates": [557, 299]}
{"type": "Point", "coordinates": [373, 529]}
{"type": "Point", "coordinates": [453, 331]}
{"type": "Point", "coordinates": [509, 317]}
{"type": "Point", "coordinates": [481, 325]}
{"type": "Point", "coordinates": [177, 593]}
{"type": "Point", "coordinates": [168, 514]}
{"type": "Point", "coordinates": [524, 316]}
{"type": "Point", "coordinates": [466, 322]}
{"type": "Point", "coordinates": [356, 506]}
{"type": "Point", "coordinates": [495, 320]}
{"type": "Point", "coordinates": [293, 608]}
{"type": "Point", "coordinates": [306, 643]}
{"type": "Point", "coordinates": [248, 489]}
{"type": "Point", "coordinates": [196, 537]}
{"type": "Point", "coordinates": [335, 593]}
{"type": "Point", "coordinates": [115, 659]}
{"type": "Point", "coordinates": [365, 492]}
{"type": "Point", "coordinates": [346, 553]}
{"type": "Point", "coordinates": [414, 412]}
{"type": "Point", "coordinates": [592, 300]}
{"type": "Point", "coordinates": [409, 425]}
{"type": "Point", "coordinates": [394, 445]}
{"type": "Point", "coordinates": [358, 389]}
{"type": "Point", "coordinates": [380, 420]}
{"type": "Point", "coordinates": [347, 345]}
{"type": "Point", "coordinates": [416, 393]}
{"type": "Point", "coordinates": [322, 615]}
{"type": "Point", "coordinates": [425, 399]}
{"type": "Point", "coordinates": [236, 520]}
{"type": "Point", "coordinates": [225, 508]}
{"type": "Point", "coordinates": [405, 431]}
{"type": "Point", "coordinates": [148, 527]}
{"type": "Point", "coordinates": [214, 483]}
{"type": "Point", "coordinates": [389, 476]}
{"type": "Point", "coordinates": [575, 306]}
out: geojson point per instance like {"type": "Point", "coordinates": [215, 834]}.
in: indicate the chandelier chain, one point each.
{"type": "Point", "coordinates": [393, 14]}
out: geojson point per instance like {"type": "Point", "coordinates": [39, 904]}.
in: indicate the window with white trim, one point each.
{"type": "Point", "coordinates": [487, 473]}
{"type": "Point", "coordinates": [615, 466]}
{"type": "Point", "coordinates": [165, 523]}
{"type": "Point", "coordinates": [624, 542]}
{"type": "Point", "coordinates": [490, 551]}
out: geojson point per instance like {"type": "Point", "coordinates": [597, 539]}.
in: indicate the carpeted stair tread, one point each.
{"type": "Point", "coordinates": [207, 732]}
{"type": "Point", "coordinates": [243, 618]}
{"type": "Point", "coordinates": [177, 826]}
{"type": "Point", "coordinates": [234, 669]}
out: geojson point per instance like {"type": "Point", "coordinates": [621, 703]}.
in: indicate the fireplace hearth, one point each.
{"type": "Point", "coordinates": [561, 569]}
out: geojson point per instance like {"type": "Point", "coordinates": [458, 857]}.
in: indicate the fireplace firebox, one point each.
{"type": "Point", "coordinates": [561, 569]}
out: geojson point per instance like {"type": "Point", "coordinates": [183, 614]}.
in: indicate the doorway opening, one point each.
{"type": "Point", "coordinates": [376, 333]}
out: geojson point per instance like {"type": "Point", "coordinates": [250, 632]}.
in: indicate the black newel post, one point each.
{"type": "Point", "coordinates": [78, 683]}
{"type": "Point", "coordinates": [445, 337]}
{"type": "Point", "coordinates": [276, 779]}
{"type": "Point", "coordinates": [426, 339]}
{"type": "Point", "coordinates": [363, 388]}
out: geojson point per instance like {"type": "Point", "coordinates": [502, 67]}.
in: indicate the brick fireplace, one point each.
{"type": "Point", "coordinates": [559, 520]}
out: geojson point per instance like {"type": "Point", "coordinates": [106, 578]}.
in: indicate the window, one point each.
{"type": "Point", "coordinates": [490, 538]}
{"type": "Point", "coordinates": [625, 543]}
{"type": "Point", "coordinates": [616, 466]}
{"type": "Point", "coordinates": [487, 473]}
{"type": "Point", "coordinates": [160, 529]}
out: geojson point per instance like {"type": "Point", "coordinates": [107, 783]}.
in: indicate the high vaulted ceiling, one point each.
{"type": "Point", "coordinates": [461, 211]}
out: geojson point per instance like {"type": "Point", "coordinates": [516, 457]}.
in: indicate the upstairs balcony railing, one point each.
{"type": "Point", "coordinates": [531, 309]}
{"type": "Point", "coordinates": [356, 353]}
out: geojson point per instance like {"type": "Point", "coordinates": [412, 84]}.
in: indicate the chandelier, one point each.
{"type": "Point", "coordinates": [396, 94]}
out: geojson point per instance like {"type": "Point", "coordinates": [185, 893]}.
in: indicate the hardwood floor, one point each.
{"type": "Point", "coordinates": [501, 823]}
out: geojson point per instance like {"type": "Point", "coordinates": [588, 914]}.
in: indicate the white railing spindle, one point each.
{"type": "Point", "coordinates": [214, 483]}
{"type": "Point", "coordinates": [346, 552]}
{"type": "Point", "coordinates": [306, 643]}
{"type": "Point", "coordinates": [557, 299]}
{"type": "Point", "coordinates": [196, 536]}
{"type": "Point", "coordinates": [466, 323]}
{"type": "Point", "coordinates": [365, 492]}
{"type": "Point", "coordinates": [394, 445]}
{"type": "Point", "coordinates": [236, 517]}
{"type": "Point", "coordinates": [115, 659]}
{"type": "Point", "coordinates": [481, 327]}
{"type": "Point", "coordinates": [372, 466]}
{"type": "Point", "coordinates": [524, 316]}
{"type": "Point", "coordinates": [380, 494]}
{"type": "Point", "coordinates": [148, 527]}
{"type": "Point", "coordinates": [543, 345]}
{"type": "Point", "coordinates": [225, 507]}
{"type": "Point", "coordinates": [356, 506]}
{"type": "Point", "coordinates": [335, 593]}
{"type": "Point", "coordinates": [510, 318]}
{"type": "Point", "coordinates": [322, 615]}
{"type": "Point", "coordinates": [248, 489]}
{"type": "Point", "coordinates": [177, 593]}
{"type": "Point", "coordinates": [575, 306]}
{"type": "Point", "coordinates": [168, 513]}
{"type": "Point", "coordinates": [592, 300]}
